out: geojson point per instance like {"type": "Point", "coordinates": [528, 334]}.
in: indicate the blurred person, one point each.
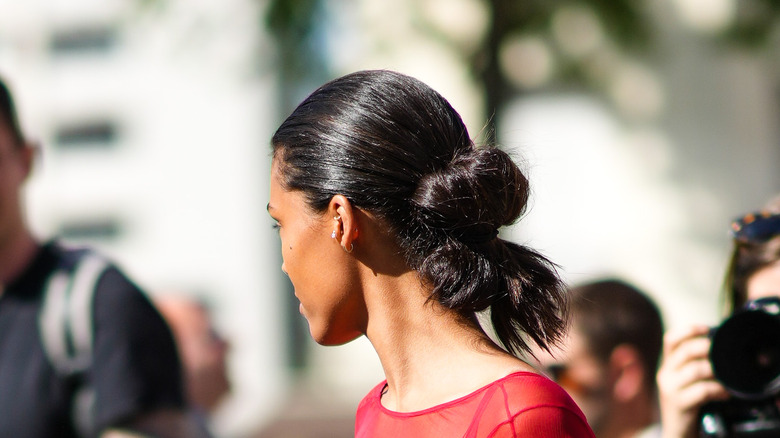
{"type": "Point", "coordinates": [202, 349]}
{"type": "Point", "coordinates": [610, 357]}
{"type": "Point", "coordinates": [388, 216]}
{"type": "Point", "coordinates": [129, 382]}
{"type": "Point", "coordinates": [686, 378]}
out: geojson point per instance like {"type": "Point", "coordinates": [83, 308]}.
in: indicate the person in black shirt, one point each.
{"type": "Point", "coordinates": [134, 373]}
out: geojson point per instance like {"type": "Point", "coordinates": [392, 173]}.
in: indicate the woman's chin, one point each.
{"type": "Point", "coordinates": [329, 339]}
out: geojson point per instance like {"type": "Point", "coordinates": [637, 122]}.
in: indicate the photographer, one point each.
{"type": "Point", "coordinates": [686, 379]}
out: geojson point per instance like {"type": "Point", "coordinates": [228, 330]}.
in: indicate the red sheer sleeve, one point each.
{"type": "Point", "coordinates": [544, 422]}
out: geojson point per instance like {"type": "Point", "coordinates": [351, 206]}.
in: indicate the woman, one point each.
{"type": "Point", "coordinates": [388, 216]}
{"type": "Point", "coordinates": [686, 380]}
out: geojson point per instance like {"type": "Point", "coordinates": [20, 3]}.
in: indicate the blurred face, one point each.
{"type": "Point", "coordinates": [14, 167]}
{"type": "Point", "coordinates": [765, 282]}
{"type": "Point", "coordinates": [583, 376]}
{"type": "Point", "coordinates": [321, 272]}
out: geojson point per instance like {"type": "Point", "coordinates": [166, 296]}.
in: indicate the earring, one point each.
{"type": "Point", "coordinates": [351, 247]}
{"type": "Point", "coordinates": [335, 218]}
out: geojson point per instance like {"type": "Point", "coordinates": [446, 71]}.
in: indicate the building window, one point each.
{"type": "Point", "coordinates": [103, 229]}
{"type": "Point", "coordinates": [100, 39]}
{"type": "Point", "coordinates": [88, 134]}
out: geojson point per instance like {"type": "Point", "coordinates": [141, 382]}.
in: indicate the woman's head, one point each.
{"type": "Point", "coordinates": [394, 148]}
{"type": "Point", "coordinates": [754, 269]}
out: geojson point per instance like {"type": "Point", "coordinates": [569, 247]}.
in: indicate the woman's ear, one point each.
{"type": "Point", "coordinates": [345, 225]}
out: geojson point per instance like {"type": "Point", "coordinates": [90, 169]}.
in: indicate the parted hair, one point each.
{"type": "Point", "coordinates": [396, 148]}
{"type": "Point", "coordinates": [8, 114]}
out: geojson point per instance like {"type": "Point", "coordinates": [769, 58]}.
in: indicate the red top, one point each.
{"type": "Point", "coordinates": [521, 404]}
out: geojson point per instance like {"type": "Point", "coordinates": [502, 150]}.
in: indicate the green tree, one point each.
{"type": "Point", "coordinates": [624, 22]}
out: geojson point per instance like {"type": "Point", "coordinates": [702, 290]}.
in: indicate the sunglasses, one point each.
{"type": "Point", "coordinates": [560, 373]}
{"type": "Point", "coordinates": [756, 227]}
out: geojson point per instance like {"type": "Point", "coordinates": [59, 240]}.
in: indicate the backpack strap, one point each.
{"type": "Point", "coordinates": [66, 321]}
{"type": "Point", "coordinates": [66, 326]}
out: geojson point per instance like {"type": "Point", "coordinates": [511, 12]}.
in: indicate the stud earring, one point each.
{"type": "Point", "coordinates": [335, 218]}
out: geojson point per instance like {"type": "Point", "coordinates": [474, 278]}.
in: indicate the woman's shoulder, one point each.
{"type": "Point", "coordinates": [531, 383]}
{"type": "Point", "coordinates": [522, 393]}
{"type": "Point", "coordinates": [531, 401]}
{"type": "Point", "coordinates": [519, 401]}
{"type": "Point", "coordinates": [525, 389]}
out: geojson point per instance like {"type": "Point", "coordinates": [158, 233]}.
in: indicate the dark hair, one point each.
{"type": "Point", "coordinates": [396, 148]}
{"type": "Point", "coordinates": [611, 312]}
{"type": "Point", "coordinates": [8, 114]}
{"type": "Point", "coordinates": [747, 258]}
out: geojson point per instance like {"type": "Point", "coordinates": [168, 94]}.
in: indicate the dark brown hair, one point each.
{"type": "Point", "coordinates": [611, 312]}
{"type": "Point", "coordinates": [8, 114]}
{"type": "Point", "coordinates": [397, 149]}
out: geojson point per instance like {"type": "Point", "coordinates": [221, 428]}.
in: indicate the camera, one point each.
{"type": "Point", "coordinates": [745, 357]}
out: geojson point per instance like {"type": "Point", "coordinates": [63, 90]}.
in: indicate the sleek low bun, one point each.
{"type": "Point", "coordinates": [479, 191]}
{"type": "Point", "coordinates": [457, 250]}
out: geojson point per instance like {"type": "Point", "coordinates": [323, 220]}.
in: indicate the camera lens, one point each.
{"type": "Point", "coordinates": [745, 354]}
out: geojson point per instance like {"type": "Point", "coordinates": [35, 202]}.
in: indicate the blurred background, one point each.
{"type": "Point", "coordinates": [645, 127]}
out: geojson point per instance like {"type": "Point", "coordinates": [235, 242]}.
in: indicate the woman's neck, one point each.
{"type": "Point", "coordinates": [430, 354]}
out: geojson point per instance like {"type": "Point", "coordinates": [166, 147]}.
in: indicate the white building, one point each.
{"type": "Point", "coordinates": [154, 121]}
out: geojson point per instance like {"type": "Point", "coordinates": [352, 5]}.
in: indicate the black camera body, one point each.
{"type": "Point", "coordinates": [745, 357]}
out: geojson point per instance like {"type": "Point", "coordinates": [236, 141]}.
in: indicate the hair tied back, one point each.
{"type": "Point", "coordinates": [478, 238]}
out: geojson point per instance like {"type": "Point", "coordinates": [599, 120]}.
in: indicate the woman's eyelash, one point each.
{"type": "Point", "coordinates": [276, 226]}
